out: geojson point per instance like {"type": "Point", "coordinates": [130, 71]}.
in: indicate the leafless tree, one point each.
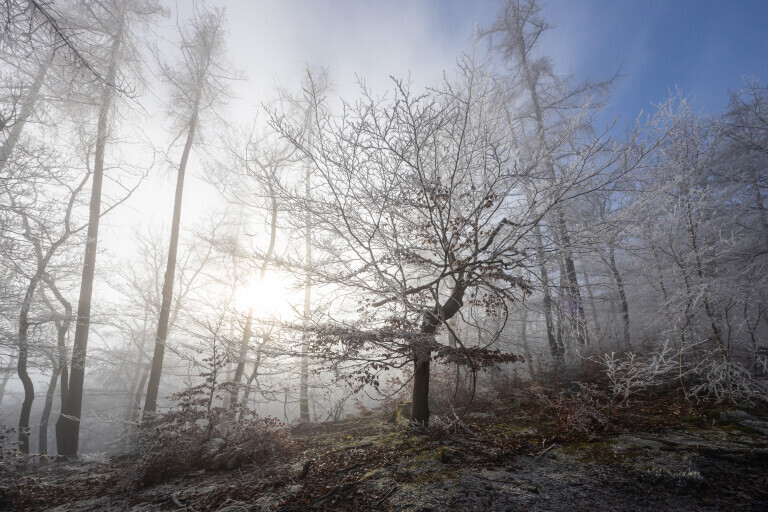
{"type": "Point", "coordinates": [197, 82]}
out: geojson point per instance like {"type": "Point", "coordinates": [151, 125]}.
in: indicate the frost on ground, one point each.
{"type": "Point", "coordinates": [658, 455]}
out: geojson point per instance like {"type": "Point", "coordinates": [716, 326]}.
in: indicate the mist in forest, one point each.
{"type": "Point", "coordinates": [227, 226]}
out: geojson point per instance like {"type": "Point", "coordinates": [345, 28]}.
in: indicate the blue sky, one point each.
{"type": "Point", "coordinates": [704, 47]}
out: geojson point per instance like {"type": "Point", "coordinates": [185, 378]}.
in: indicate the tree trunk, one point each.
{"type": "Point", "coordinates": [136, 403]}
{"type": "Point", "coordinates": [526, 345]}
{"type": "Point", "coordinates": [68, 424]}
{"type": "Point", "coordinates": [421, 361]}
{"type": "Point", "coordinates": [251, 378]}
{"type": "Point", "coordinates": [530, 78]}
{"type": "Point", "coordinates": [700, 272]}
{"type": "Point", "coordinates": [555, 344]}
{"type": "Point", "coordinates": [420, 397]}
{"type": "Point", "coordinates": [6, 377]}
{"type": "Point", "coordinates": [622, 296]}
{"type": "Point", "coordinates": [576, 302]}
{"type": "Point", "coordinates": [150, 404]}
{"type": "Point", "coordinates": [43, 430]}
{"type": "Point", "coordinates": [21, 366]}
{"type": "Point", "coordinates": [593, 305]}
{"type": "Point", "coordinates": [304, 377]}
{"type": "Point", "coordinates": [248, 329]}
{"type": "Point", "coordinates": [27, 107]}
{"type": "Point", "coordinates": [241, 357]}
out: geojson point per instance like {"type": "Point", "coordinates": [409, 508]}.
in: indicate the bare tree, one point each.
{"type": "Point", "coordinates": [117, 19]}
{"type": "Point", "coordinates": [557, 111]}
{"type": "Point", "coordinates": [418, 200]}
{"type": "Point", "coordinates": [197, 83]}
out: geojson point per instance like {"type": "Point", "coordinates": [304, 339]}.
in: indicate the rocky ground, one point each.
{"type": "Point", "coordinates": [503, 460]}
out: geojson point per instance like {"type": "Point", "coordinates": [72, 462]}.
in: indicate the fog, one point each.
{"type": "Point", "coordinates": [238, 217]}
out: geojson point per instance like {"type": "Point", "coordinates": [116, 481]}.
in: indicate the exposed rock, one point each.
{"type": "Point", "coordinates": [759, 425]}
{"type": "Point", "coordinates": [229, 459]}
{"type": "Point", "coordinates": [735, 416]}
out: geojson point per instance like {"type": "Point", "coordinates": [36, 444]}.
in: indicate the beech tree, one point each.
{"type": "Point", "coordinates": [418, 200]}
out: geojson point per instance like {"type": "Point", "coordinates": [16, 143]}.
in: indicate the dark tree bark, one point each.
{"type": "Point", "coordinates": [27, 108]}
{"type": "Point", "coordinates": [43, 259]}
{"type": "Point", "coordinates": [555, 342]}
{"type": "Point", "coordinates": [21, 366]}
{"type": "Point", "coordinates": [622, 296]}
{"type": "Point", "coordinates": [150, 404]}
{"type": "Point", "coordinates": [46, 414]}
{"type": "Point", "coordinates": [62, 323]}
{"type": "Point", "coordinates": [195, 86]}
{"type": "Point", "coordinates": [421, 361]}
{"type": "Point", "coordinates": [68, 424]}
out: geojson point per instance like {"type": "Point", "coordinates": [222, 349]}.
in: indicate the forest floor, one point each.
{"type": "Point", "coordinates": [657, 454]}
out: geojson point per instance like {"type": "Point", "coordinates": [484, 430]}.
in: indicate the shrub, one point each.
{"type": "Point", "coordinates": [181, 439]}
{"type": "Point", "coordinates": [582, 410]}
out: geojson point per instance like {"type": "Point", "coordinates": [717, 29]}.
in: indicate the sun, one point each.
{"type": "Point", "coordinates": [268, 297]}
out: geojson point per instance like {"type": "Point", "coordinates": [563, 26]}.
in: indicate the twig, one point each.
{"type": "Point", "coordinates": [545, 451]}
{"type": "Point", "coordinates": [350, 468]}
{"type": "Point", "coordinates": [386, 495]}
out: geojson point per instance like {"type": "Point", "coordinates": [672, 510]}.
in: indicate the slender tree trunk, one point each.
{"type": "Point", "coordinates": [136, 404]}
{"type": "Point", "coordinates": [526, 345]}
{"type": "Point", "coordinates": [59, 362]}
{"type": "Point", "coordinates": [21, 363]}
{"type": "Point", "coordinates": [576, 302]}
{"type": "Point", "coordinates": [46, 414]}
{"type": "Point", "coordinates": [662, 286]}
{"type": "Point", "coordinates": [304, 378]}
{"type": "Point", "coordinates": [27, 106]}
{"type": "Point", "coordinates": [248, 329]}
{"type": "Point", "coordinates": [700, 272]}
{"type": "Point", "coordinates": [555, 344]}
{"type": "Point", "coordinates": [593, 305]}
{"type": "Point", "coordinates": [21, 366]}
{"type": "Point", "coordinates": [68, 424]}
{"type": "Point", "coordinates": [622, 296]}
{"type": "Point", "coordinates": [241, 358]}
{"type": "Point", "coordinates": [137, 384]}
{"type": "Point", "coordinates": [252, 378]}
{"type": "Point", "coordinates": [562, 312]}
{"type": "Point", "coordinates": [6, 377]}
{"type": "Point", "coordinates": [150, 404]}
{"type": "Point", "coordinates": [530, 78]}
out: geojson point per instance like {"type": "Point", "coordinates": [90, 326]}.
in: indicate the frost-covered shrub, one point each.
{"type": "Point", "coordinates": [631, 373]}
{"type": "Point", "coordinates": [711, 375]}
{"type": "Point", "coordinates": [722, 380]}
